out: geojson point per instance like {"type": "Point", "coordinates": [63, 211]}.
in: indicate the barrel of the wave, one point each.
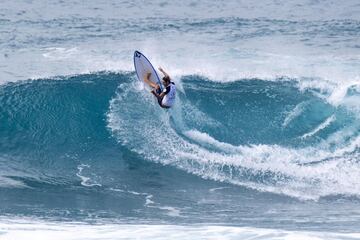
{"type": "Point", "coordinates": [143, 67]}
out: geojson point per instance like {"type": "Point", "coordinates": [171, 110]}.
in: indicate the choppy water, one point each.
{"type": "Point", "coordinates": [264, 140]}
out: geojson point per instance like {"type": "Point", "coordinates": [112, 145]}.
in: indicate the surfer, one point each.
{"type": "Point", "coordinates": [166, 98]}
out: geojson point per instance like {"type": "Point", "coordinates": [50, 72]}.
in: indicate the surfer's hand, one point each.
{"type": "Point", "coordinates": [161, 69]}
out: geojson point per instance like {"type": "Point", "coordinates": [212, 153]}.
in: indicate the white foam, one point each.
{"type": "Point", "coordinates": [117, 190]}
{"type": "Point", "coordinates": [217, 189]}
{"type": "Point", "coordinates": [339, 93]}
{"type": "Point", "coordinates": [37, 229]}
{"type": "Point", "coordinates": [205, 138]}
{"type": "Point", "coordinates": [86, 181]}
{"type": "Point", "coordinates": [171, 211]}
{"type": "Point", "coordinates": [323, 125]}
{"type": "Point", "coordinates": [299, 108]}
{"type": "Point", "coordinates": [148, 197]}
{"type": "Point", "coordinates": [11, 183]}
{"type": "Point", "coordinates": [148, 200]}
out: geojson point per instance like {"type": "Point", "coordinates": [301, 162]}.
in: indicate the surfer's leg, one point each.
{"type": "Point", "coordinates": [159, 99]}
{"type": "Point", "coordinates": [149, 82]}
{"type": "Point", "coordinates": [156, 91]}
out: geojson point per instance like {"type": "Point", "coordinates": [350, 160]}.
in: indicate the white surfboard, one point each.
{"type": "Point", "coordinates": [143, 66]}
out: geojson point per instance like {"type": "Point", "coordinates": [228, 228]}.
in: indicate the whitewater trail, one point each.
{"type": "Point", "coordinates": [306, 172]}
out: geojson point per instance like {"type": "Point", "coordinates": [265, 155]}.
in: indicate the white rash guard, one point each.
{"type": "Point", "coordinates": [170, 93]}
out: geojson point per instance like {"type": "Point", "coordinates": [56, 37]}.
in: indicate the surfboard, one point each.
{"type": "Point", "coordinates": [143, 66]}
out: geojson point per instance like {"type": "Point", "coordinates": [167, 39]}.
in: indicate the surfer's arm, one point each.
{"type": "Point", "coordinates": [161, 95]}
{"type": "Point", "coordinates": [163, 72]}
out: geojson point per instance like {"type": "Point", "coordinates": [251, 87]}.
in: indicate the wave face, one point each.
{"type": "Point", "coordinates": [88, 147]}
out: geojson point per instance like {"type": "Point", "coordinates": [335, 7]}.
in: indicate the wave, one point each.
{"type": "Point", "coordinates": [250, 133]}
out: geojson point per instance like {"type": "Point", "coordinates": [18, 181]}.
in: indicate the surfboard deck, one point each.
{"type": "Point", "coordinates": [143, 66]}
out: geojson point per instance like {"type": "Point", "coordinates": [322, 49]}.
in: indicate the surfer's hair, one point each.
{"type": "Point", "coordinates": [166, 79]}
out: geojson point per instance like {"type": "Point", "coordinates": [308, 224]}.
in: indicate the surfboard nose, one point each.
{"type": "Point", "coordinates": [137, 54]}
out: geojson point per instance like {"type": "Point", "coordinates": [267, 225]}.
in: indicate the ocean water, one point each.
{"type": "Point", "coordinates": [263, 142]}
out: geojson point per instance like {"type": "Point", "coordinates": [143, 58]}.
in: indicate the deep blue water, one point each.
{"type": "Point", "coordinates": [265, 132]}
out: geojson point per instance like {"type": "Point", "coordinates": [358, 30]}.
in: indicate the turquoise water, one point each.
{"type": "Point", "coordinates": [263, 140]}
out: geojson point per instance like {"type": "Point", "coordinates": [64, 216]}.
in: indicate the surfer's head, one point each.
{"type": "Point", "coordinates": [166, 80]}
